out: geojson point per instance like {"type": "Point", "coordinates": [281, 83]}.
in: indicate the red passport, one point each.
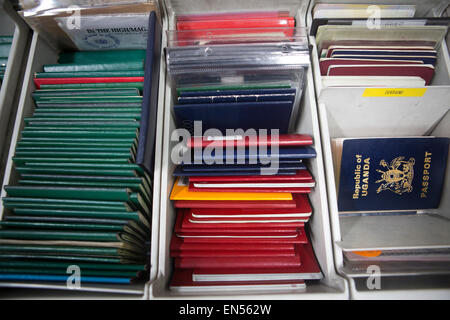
{"type": "Point", "coordinates": [270, 230]}
{"type": "Point", "coordinates": [308, 270]}
{"type": "Point", "coordinates": [302, 209]}
{"type": "Point", "coordinates": [178, 244]}
{"type": "Point", "coordinates": [237, 262]}
{"type": "Point", "coordinates": [182, 281]}
{"type": "Point", "coordinates": [230, 253]}
{"type": "Point", "coordinates": [378, 43]}
{"type": "Point", "coordinates": [425, 71]}
{"type": "Point", "coordinates": [260, 238]}
{"type": "Point", "coordinates": [234, 16]}
{"type": "Point", "coordinates": [39, 81]}
{"type": "Point", "coordinates": [256, 22]}
{"type": "Point", "coordinates": [325, 63]}
{"type": "Point", "coordinates": [300, 175]}
{"type": "Point", "coordinates": [331, 49]}
{"type": "Point", "coordinates": [190, 222]}
{"type": "Point", "coordinates": [254, 189]}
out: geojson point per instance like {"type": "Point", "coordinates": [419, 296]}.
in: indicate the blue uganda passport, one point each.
{"type": "Point", "coordinates": [392, 174]}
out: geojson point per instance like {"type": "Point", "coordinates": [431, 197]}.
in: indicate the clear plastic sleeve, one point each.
{"type": "Point", "coordinates": [35, 7]}
{"type": "Point", "coordinates": [90, 25]}
{"type": "Point", "coordinates": [237, 36]}
{"type": "Point", "coordinates": [225, 60]}
{"type": "Point", "coordinates": [226, 57]}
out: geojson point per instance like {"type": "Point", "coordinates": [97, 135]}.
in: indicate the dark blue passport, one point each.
{"type": "Point", "coordinates": [237, 115]}
{"type": "Point", "coordinates": [392, 173]}
{"type": "Point", "coordinates": [237, 98]}
{"type": "Point", "coordinates": [147, 133]}
{"type": "Point", "coordinates": [178, 172]}
{"type": "Point", "coordinates": [280, 161]}
{"type": "Point", "coordinates": [425, 60]}
{"type": "Point", "coordinates": [248, 167]}
{"type": "Point", "coordinates": [280, 155]}
{"type": "Point", "coordinates": [237, 92]}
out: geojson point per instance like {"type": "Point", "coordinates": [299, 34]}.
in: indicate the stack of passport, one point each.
{"type": "Point", "coordinates": [237, 227]}
{"type": "Point", "coordinates": [256, 107]}
{"type": "Point", "coordinates": [5, 47]}
{"type": "Point", "coordinates": [89, 69]}
{"type": "Point", "coordinates": [241, 197]}
{"type": "Point", "coordinates": [395, 51]}
{"type": "Point", "coordinates": [83, 195]}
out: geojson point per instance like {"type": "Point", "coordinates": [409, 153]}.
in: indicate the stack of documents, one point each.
{"type": "Point", "coordinates": [242, 225]}
{"type": "Point", "coordinates": [5, 47]}
{"type": "Point", "coordinates": [241, 197]}
{"type": "Point", "coordinates": [89, 69]}
{"type": "Point", "coordinates": [355, 49]}
{"type": "Point", "coordinates": [83, 196]}
{"type": "Point", "coordinates": [257, 107]}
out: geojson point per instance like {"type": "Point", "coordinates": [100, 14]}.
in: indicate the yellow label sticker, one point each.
{"type": "Point", "coordinates": [394, 92]}
{"type": "Point", "coordinates": [369, 254]}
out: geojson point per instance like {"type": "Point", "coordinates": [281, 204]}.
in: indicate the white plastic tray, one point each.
{"type": "Point", "coordinates": [11, 25]}
{"type": "Point", "coordinates": [40, 54]}
{"type": "Point", "coordinates": [332, 286]}
{"type": "Point", "coordinates": [344, 112]}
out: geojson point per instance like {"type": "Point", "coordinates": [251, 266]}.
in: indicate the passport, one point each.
{"type": "Point", "coordinates": [244, 115]}
{"type": "Point", "coordinates": [237, 92]}
{"type": "Point", "coordinates": [378, 174]}
{"type": "Point", "coordinates": [425, 71]}
{"type": "Point", "coordinates": [145, 155]}
{"type": "Point", "coordinates": [270, 154]}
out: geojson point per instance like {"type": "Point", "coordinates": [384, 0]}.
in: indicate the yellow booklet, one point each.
{"type": "Point", "coordinates": [181, 191]}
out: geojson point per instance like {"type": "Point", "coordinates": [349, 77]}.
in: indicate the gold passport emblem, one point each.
{"type": "Point", "coordinates": [398, 175]}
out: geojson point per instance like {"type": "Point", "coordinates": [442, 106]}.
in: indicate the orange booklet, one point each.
{"type": "Point", "coordinates": [181, 191]}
